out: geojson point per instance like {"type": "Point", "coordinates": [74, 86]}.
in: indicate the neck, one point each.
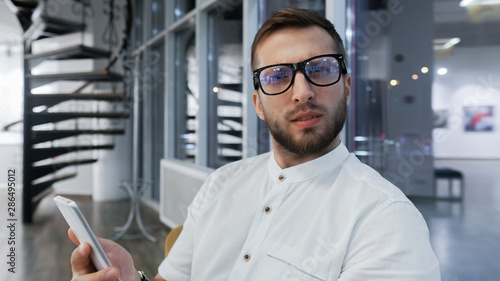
{"type": "Point", "coordinates": [287, 159]}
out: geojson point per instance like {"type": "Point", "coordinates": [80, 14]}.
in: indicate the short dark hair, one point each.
{"type": "Point", "coordinates": [295, 17]}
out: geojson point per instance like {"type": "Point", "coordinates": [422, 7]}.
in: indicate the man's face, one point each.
{"type": "Point", "coordinates": [306, 119]}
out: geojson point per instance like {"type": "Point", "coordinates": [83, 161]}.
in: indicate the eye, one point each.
{"type": "Point", "coordinates": [275, 75]}
{"type": "Point", "coordinates": [322, 67]}
{"type": "Point", "coordinates": [317, 68]}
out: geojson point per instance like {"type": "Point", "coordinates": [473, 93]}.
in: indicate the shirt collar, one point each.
{"type": "Point", "coordinates": [311, 169]}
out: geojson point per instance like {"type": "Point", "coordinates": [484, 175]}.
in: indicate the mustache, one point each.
{"type": "Point", "coordinates": [305, 107]}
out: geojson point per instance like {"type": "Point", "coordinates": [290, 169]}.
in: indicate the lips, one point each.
{"type": "Point", "coordinates": [306, 119]}
{"type": "Point", "coordinates": [305, 116]}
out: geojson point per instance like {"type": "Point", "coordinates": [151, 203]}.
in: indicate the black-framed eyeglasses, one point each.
{"type": "Point", "coordinates": [322, 70]}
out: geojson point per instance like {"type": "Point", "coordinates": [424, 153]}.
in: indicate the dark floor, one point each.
{"type": "Point", "coordinates": [465, 234]}
{"type": "Point", "coordinates": [43, 248]}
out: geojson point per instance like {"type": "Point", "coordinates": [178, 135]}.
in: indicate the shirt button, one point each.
{"type": "Point", "coordinates": [281, 177]}
{"type": "Point", "coordinates": [247, 257]}
{"type": "Point", "coordinates": [267, 209]}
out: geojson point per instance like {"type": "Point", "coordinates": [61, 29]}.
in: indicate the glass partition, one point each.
{"type": "Point", "coordinates": [186, 94]}
{"type": "Point", "coordinates": [225, 76]}
{"type": "Point", "coordinates": [390, 58]}
{"type": "Point", "coordinates": [157, 17]}
{"type": "Point", "coordinates": [138, 24]}
{"type": "Point", "coordinates": [182, 7]}
{"type": "Point", "coordinates": [153, 116]}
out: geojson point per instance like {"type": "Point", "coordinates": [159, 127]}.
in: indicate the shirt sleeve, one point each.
{"type": "Point", "coordinates": [392, 244]}
{"type": "Point", "coordinates": [177, 265]}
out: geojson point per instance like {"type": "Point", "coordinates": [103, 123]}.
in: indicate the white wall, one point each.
{"type": "Point", "coordinates": [11, 152]}
{"type": "Point", "coordinates": [11, 91]}
{"type": "Point", "coordinates": [472, 79]}
{"type": "Point", "coordinates": [11, 72]}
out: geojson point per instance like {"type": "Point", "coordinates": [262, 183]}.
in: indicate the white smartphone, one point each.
{"type": "Point", "coordinates": [82, 230]}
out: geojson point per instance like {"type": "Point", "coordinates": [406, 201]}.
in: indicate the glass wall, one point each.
{"type": "Point", "coordinates": [391, 63]}
{"type": "Point", "coordinates": [183, 7]}
{"type": "Point", "coordinates": [139, 28]}
{"type": "Point", "coordinates": [186, 94]}
{"type": "Point", "coordinates": [157, 17]}
{"type": "Point", "coordinates": [225, 76]}
{"type": "Point", "coordinates": [153, 116]}
{"type": "Point", "coordinates": [148, 64]}
{"type": "Point", "coordinates": [423, 82]}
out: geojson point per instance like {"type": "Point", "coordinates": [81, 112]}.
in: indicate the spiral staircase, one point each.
{"type": "Point", "coordinates": [61, 129]}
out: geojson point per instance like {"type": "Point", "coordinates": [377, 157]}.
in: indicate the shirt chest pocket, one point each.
{"type": "Point", "coordinates": [307, 264]}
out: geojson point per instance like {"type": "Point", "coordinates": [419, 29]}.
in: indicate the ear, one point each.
{"type": "Point", "coordinates": [347, 88]}
{"type": "Point", "coordinates": [257, 103]}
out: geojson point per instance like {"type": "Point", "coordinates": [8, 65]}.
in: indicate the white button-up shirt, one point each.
{"type": "Point", "coordinates": [332, 218]}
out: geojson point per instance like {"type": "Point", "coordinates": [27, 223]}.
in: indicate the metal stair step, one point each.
{"type": "Point", "coordinates": [50, 117]}
{"type": "Point", "coordinates": [46, 26]}
{"type": "Point", "coordinates": [43, 170]}
{"type": "Point", "coordinates": [48, 152]}
{"type": "Point", "coordinates": [229, 103]}
{"type": "Point", "coordinates": [72, 52]}
{"type": "Point", "coordinates": [95, 76]}
{"type": "Point", "coordinates": [56, 26]}
{"type": "Point", "coordinates": [233, 133]}
{"type": "Point", "coordinates": [235, 146]}
{"type": "Point", "coordinates": [40, 136]}
{"type": "Point", "coordinates": [39, 190]}
{"type": "Point", "coordinates": [232, 118]}
{"type": "Point", "coordinates": [44, 99]}
{"type": "Point", "coordinates": [25, 4]}
{"type": "Point", "coordinates": [233, 87]}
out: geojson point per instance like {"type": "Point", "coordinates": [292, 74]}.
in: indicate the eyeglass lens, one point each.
{"type": "Point", "coordinates": [321, 71]}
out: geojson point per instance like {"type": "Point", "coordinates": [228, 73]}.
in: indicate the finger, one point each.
{"type": "Point", "coordinates": [80, 260]}
{"type": "Point", "coordinates": [72, 236]}
{"type": "Point", "coordinates": [108, 274]}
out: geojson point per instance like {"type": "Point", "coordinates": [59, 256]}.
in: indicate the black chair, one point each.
{"type": "Point", "coordinates": [450, 175]}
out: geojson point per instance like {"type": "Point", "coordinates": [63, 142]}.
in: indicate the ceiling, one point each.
{"type": "Point", "coordinates": [475, 26]}
{"type": "Point", "coordinates": [450, 20]}
{"type": "Point", "coordinates": [9, 28]}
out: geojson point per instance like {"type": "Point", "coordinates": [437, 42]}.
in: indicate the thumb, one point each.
{"type": "Point", "coordinates": [80, 260]}
{"type": "Point", "coordinates": [111, 274]}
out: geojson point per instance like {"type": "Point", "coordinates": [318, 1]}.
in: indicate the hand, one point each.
{"type": "Point", "coordinates": [84, 270]}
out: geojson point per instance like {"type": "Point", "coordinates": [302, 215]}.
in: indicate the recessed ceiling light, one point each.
{"type": "Point", "coordinates": [394, 82]}
{"type": "Point", "coordinates": [467, 3]}
{"type": "Point", "coordinates": [445, 43]}
{"type": "Point", "coordinates": [442, 71]}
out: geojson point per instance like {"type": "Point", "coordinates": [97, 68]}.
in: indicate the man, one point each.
{"type": "Point", "coordinates": [308, 210]}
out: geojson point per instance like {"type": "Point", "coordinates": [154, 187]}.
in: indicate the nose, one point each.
{"type": "Point", "coordinates": [302, 90]}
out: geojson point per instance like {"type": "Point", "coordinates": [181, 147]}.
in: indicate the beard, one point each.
{"type": "Point", "coordinates": [310, 141]}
